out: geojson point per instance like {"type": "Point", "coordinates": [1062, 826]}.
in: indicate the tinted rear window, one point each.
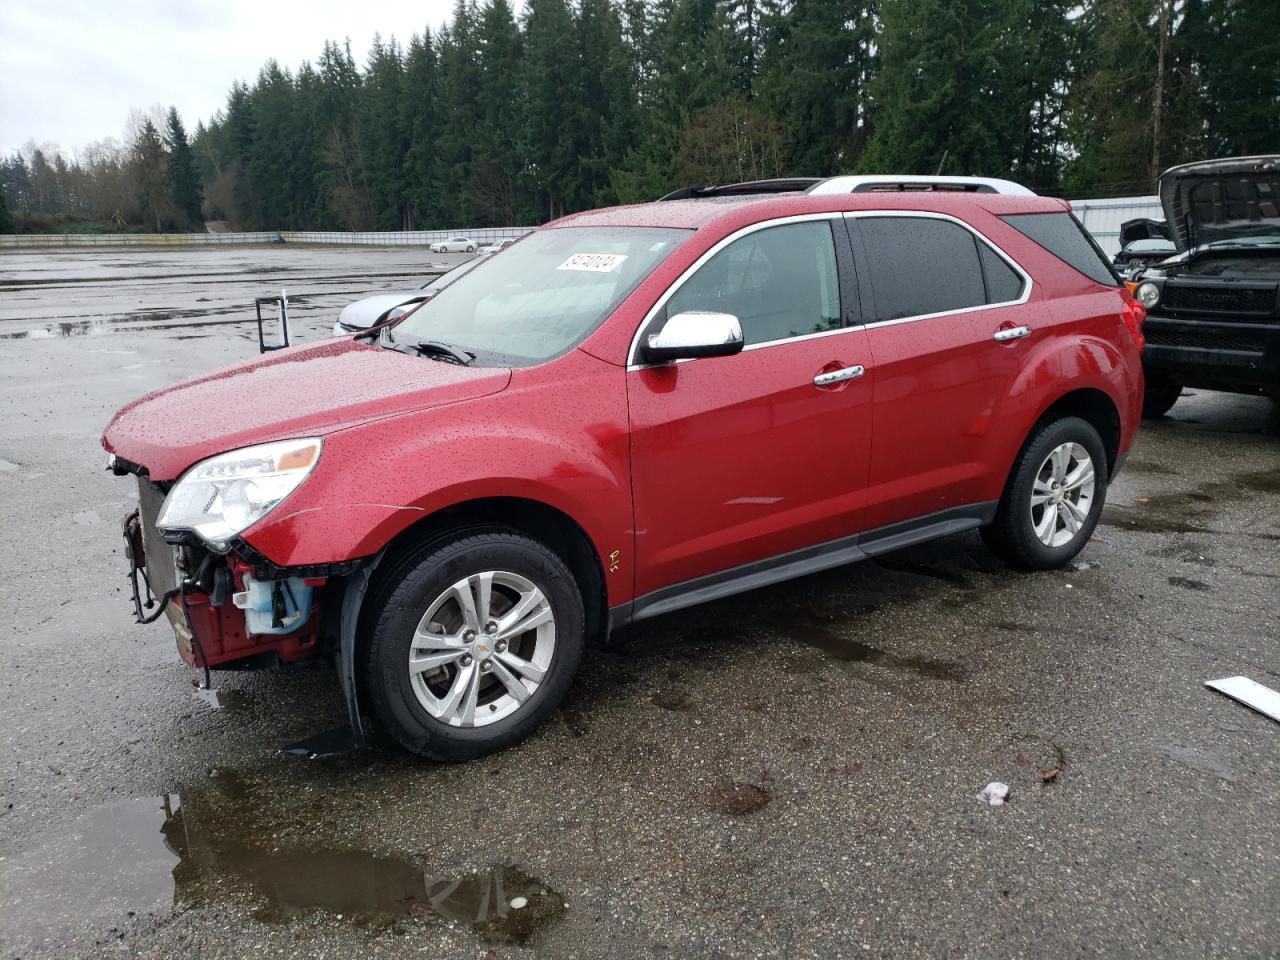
{"type": "Point", "coordinates": [921, 265]}
{"type": "Point", "coordinates": [1063, 236]}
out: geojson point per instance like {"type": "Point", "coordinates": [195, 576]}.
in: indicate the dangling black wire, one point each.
{"type": "Point", "coordinates": [138, 589]}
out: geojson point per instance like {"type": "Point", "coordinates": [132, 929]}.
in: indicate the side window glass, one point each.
{"type": "Point", "coordinates": [779, 282]}
{"type": "Point", "coordinates": [920, 265]}
{"type": "Point", "coordinates": [1003, 283]}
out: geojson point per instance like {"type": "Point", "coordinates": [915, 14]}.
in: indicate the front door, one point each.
{"type": "Point", "coordinates": [744, 458]}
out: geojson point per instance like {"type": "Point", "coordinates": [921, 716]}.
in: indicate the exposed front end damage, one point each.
{"type": "Point", "coordinates": [238, 611]}
{"type": "Point", "coordinates": [228, 611]}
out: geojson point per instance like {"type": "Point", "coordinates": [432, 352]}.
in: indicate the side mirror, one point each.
{"type": "Point", "coordinates": [694, 333]}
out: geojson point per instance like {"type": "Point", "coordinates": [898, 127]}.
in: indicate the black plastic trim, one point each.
{"type": "Point", "coordinates": [265, 569]}
{"type": "Point", "coordinates": [799, 563]}
{"type": "Point", "coordinates": [746, 188]}
{"type": "Point", "coordinates": [120, 467]}
{"type": "Point", "coordinates": [929, 527]}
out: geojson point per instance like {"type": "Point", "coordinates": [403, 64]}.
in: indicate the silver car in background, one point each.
{"type": "Point", "coordinates": [455, 245]}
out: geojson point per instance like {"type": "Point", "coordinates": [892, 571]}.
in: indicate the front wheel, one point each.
{"type": "Point", "coordinates": [476, 641]}
{"type": "Point", "coordinates": [1053, 498]}
{"type": "Point", "coordinates": [471, 249]}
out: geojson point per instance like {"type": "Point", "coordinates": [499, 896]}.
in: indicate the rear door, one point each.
{"type": "Point", "coordinates": [744, 458]}
{"type": "Point", "coordinates": [949, 328]}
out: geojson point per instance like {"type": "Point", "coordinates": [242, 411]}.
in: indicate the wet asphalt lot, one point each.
{"type": "Point", "coordinates": [790, 773]}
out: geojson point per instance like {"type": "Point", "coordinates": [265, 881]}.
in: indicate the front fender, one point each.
{"type": "Point", "coordinates": [561, 441]}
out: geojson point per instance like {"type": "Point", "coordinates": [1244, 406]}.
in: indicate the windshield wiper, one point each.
{"type": "Point", "coordinates": [435, 349]}
{"type": "Point", "coordinates": [439, 350]}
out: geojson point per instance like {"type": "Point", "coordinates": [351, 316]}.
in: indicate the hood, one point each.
{"type": "Point", "coordinates": [370, 311]}
{"type": "Point", "coordinates": [1131, 231]}
{"type": "Point", "coordinates": [1221, 200]}
{"type": "Point", "coordinates": [302, 391]}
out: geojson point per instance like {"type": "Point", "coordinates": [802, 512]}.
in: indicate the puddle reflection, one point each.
{"type": "Point", "coordinates": [134, 857]}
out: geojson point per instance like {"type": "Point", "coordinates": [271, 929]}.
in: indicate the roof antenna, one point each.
{"type": "Point", "coordinates": [942, 162]}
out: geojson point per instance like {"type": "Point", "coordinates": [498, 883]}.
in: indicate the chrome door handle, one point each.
{"type": "Point", "coordinates": [1014, 333]}
{"type": "Point", "coordinates": [838, 376]}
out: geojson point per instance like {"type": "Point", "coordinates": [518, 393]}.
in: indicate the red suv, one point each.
{"type": "Point", "coordinates": [631, 411]}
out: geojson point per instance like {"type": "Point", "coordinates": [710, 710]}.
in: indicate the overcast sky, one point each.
{"type": "Point", "coordinates": [71, 69]}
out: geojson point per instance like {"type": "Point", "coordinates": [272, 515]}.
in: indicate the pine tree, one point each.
{"type": "Point", "coordinates": [18, 187]}
{"type": "Point", "coordinates": [950, 96]}
{"type": "Point", "coordinates": [343, 179]}
{"type": "Point", "coordinates": [1236, 57]}
{"type": "Point", "coordinates": [492, 182]}
{"type": "Point", "coordinates": [818, 61]}
{"type": "Point", "coordinates": [552, 85]}
{"type": "Point", "coordinates": [421, 111]}
{"type": "Point", "coordinates": [6, 221]}
{"type": "Point", "coordinates": [184, 185]}
{"type": "Point", "coordinates": [608, 107]}
{"type": "Point", "coordinates": [382, 135]}
{"type": "Point", "coordinates": [457, 51]}
{"type": "Point", "coordinates": [149, 162]}
{"type": "Point", "coordinates": [271, 155]}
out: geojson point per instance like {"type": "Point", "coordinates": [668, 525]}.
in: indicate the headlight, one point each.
{"type": "Point", "coordinates": [221, 496]}
{"type": "Point", "coordinates": [1147, 294]}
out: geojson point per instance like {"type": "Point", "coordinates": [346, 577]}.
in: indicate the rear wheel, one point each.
{"type": "Point", "coordinates": [1160, 395]}
{"type": "Point", "coordinates": [475, 643]}
{"type": "Point", "coordinates": [1053, 498]}
{"type": "Point", "coordinates": [471, 249]}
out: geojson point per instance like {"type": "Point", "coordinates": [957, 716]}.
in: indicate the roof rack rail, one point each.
{"type": "Point", "coordinates": [902, 184]}
{"type": "Point", "coordinates": [746, 188]}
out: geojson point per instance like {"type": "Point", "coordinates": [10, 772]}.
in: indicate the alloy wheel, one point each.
{"type": "Point", "coordinates": [482, 649]}
{"type": "Point", "coordinates": [1062, 494]}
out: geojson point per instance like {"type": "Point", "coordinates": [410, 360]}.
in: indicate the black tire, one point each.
{"type": "Point", "coordinates": [471, 249]}
{"type": "Point", "coordinates": [1012, 535]}
{"type": "Point", "coordinates": [404, 597]}
{"type": "Point", "coordinates": [1160, 395]}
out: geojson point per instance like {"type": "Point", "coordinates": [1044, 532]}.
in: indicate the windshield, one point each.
{"type": "Point", "coordinates": [446, 278]}
{"type": "Point", "coordinates": [542, 296]}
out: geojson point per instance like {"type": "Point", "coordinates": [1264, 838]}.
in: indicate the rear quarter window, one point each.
{"type": "Point", "coordinates": [1066, 238]}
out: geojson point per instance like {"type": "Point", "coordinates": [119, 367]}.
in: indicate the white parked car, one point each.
{"type": "Point", "coordinates": [498, 245]}
{"type": "Point", "coordinates": [381, 307]}
{"type": "Point", "coordinates": [455, 245]}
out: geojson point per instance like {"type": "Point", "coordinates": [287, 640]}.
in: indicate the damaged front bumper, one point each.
{"type": "Point", "coordinates": [239, 611]}
{"type": "Point", "coordinates": [228, 611]}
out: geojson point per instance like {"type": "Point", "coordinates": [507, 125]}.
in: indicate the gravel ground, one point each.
{"type": "Point", "coordinates": [787, 774]}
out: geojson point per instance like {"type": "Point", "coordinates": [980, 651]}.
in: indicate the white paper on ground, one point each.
{"type": "Point", "coordinates": [1249, 692]}
{"type": "Point", "coordinates": [994, 794]}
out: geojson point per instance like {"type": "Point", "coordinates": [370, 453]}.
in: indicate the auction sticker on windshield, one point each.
{"type": "Point", "coordinates": [593, 262]}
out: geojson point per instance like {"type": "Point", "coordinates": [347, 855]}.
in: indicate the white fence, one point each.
{"type": "Point", "coordinates": [1102, 218]}
{"type": "Point", "coordinates": [407, 238]}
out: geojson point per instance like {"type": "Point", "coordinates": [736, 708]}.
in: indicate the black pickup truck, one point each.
{"type": "Point", "coordinates": [1213, 319]}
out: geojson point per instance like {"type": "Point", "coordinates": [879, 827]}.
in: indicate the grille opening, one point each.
{"type": "Point", "coordinates": [1208, 340]}
{"type": "Point", "coordinates": [1233, 299]}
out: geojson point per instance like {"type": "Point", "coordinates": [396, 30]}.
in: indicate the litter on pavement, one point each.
{"type": "Point", "coordinates": [994, 793]}
{"type": "Point", "coordinates": [1249, 692]}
